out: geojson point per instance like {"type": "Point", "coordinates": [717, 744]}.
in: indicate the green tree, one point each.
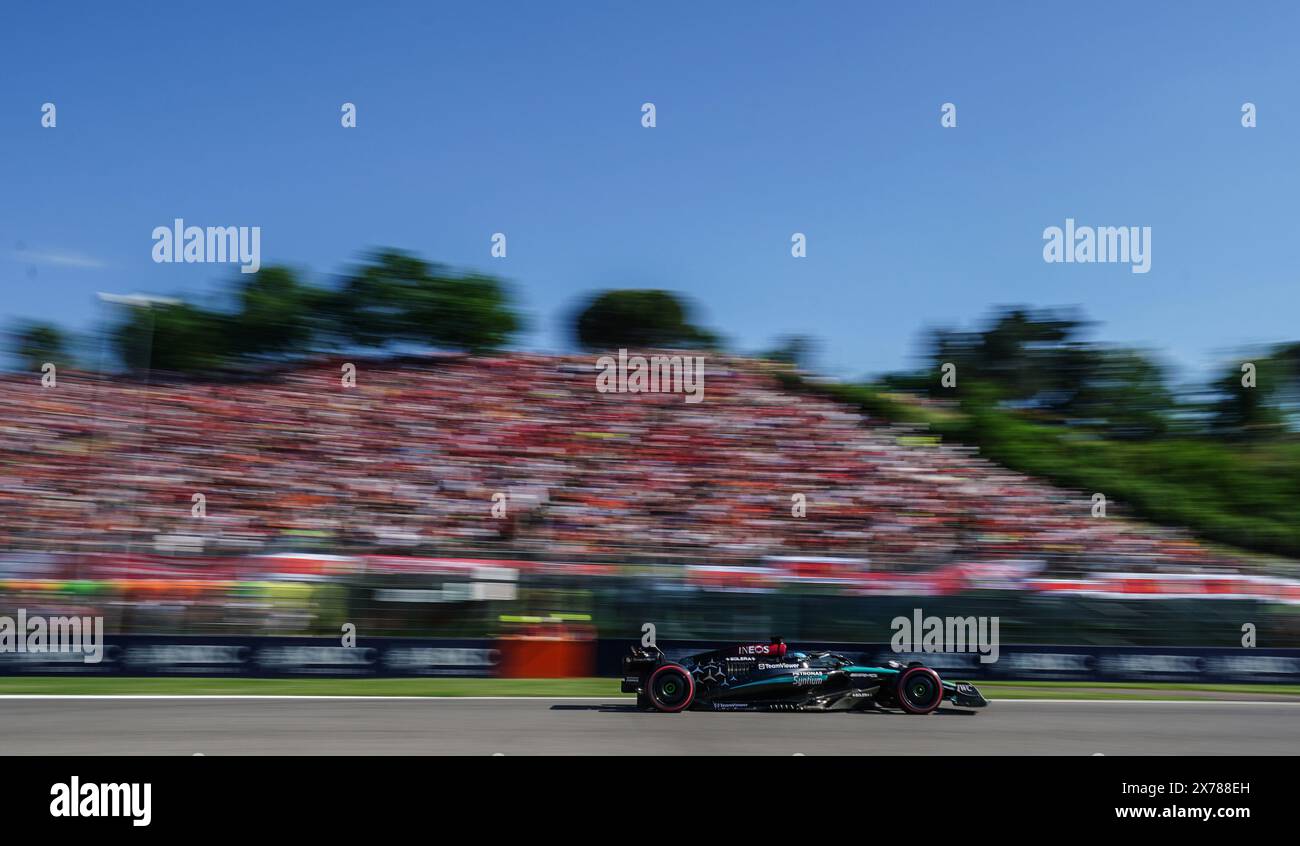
{"type": "Point", "coordinates": [1123, 391]}
{"type": "Point", "coordinates": [470, 312]}
{"type": "Point", "coordinates": [798, 350]}
{"type": "Point", "coordinates": [1244, 411]}
{"type": "Point", "coordinates": [173, 337]}
{"type": "Point", "coordinates": [37, 343]}
{"type": "Point", "coordinates": [1028, 355]}
{"type": "Point", "coordinates": [276, 315]}
{"type": "Point", "coordinates": [373, 308]}
{"type": "Point", "coordinates": [638, 319]}
{"type": "Point", "coordinates": [397, 297]}
{"type": "Point", "coordinates": [1037, 359]}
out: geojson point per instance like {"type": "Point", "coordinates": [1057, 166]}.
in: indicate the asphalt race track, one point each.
{"type": "Point", "coordinates": [333, 725]}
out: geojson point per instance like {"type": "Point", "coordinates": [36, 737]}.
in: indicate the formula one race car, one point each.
{"type": "Point", "coordinates": [771, 677]}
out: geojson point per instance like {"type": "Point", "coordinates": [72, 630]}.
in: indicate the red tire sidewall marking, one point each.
{"type": "Point", "coordinates": [690, 684]}
{"type": "Point", "coordinates": [902, 685]}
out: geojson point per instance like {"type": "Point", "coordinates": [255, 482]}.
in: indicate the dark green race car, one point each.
{"type": "Point", "coordinates": [772, 677]}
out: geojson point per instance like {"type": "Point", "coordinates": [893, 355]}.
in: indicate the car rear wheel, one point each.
{"type": "Point", "coordinates": [919, 690]}
{"type": "Point", "coordinates": [670, 688]}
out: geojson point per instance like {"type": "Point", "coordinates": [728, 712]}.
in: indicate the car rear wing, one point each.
{"type": "Point", "coordinates": [638, 664]}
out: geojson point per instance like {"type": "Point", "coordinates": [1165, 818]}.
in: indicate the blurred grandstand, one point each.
{"type": "Point", "coordinates": [322, 503]}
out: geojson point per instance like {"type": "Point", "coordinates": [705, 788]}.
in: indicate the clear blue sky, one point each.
{"type": "Point", "coordinates": [773, 118]}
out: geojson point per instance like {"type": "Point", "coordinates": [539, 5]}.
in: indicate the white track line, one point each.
{"type": "Point", "coordinates": [1152, 701]}
{"type": "Point", "coordinates": [380, 698]}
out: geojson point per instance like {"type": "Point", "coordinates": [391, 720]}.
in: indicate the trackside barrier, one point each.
{"type": "Point", "coordinates": [524, 657]}
{"type": "Point", "coordinates": [266, 657]}
{"type": "Point", "coordinates": [1213, 665]}
{"type": "Point", "coordinates": [530, 656]}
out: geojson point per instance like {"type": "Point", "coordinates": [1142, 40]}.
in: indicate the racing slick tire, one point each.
{"type": "Point", "coordinates": [919, 690]}
{"type": "Point", "coordinates": [670, 688]}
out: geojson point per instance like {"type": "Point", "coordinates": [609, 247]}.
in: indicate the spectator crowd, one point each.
{"type": "Point", "coordinates": [520, 453]}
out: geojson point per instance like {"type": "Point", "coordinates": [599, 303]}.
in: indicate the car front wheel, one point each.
{"type": "Point", "coordinates": [919, 690]}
